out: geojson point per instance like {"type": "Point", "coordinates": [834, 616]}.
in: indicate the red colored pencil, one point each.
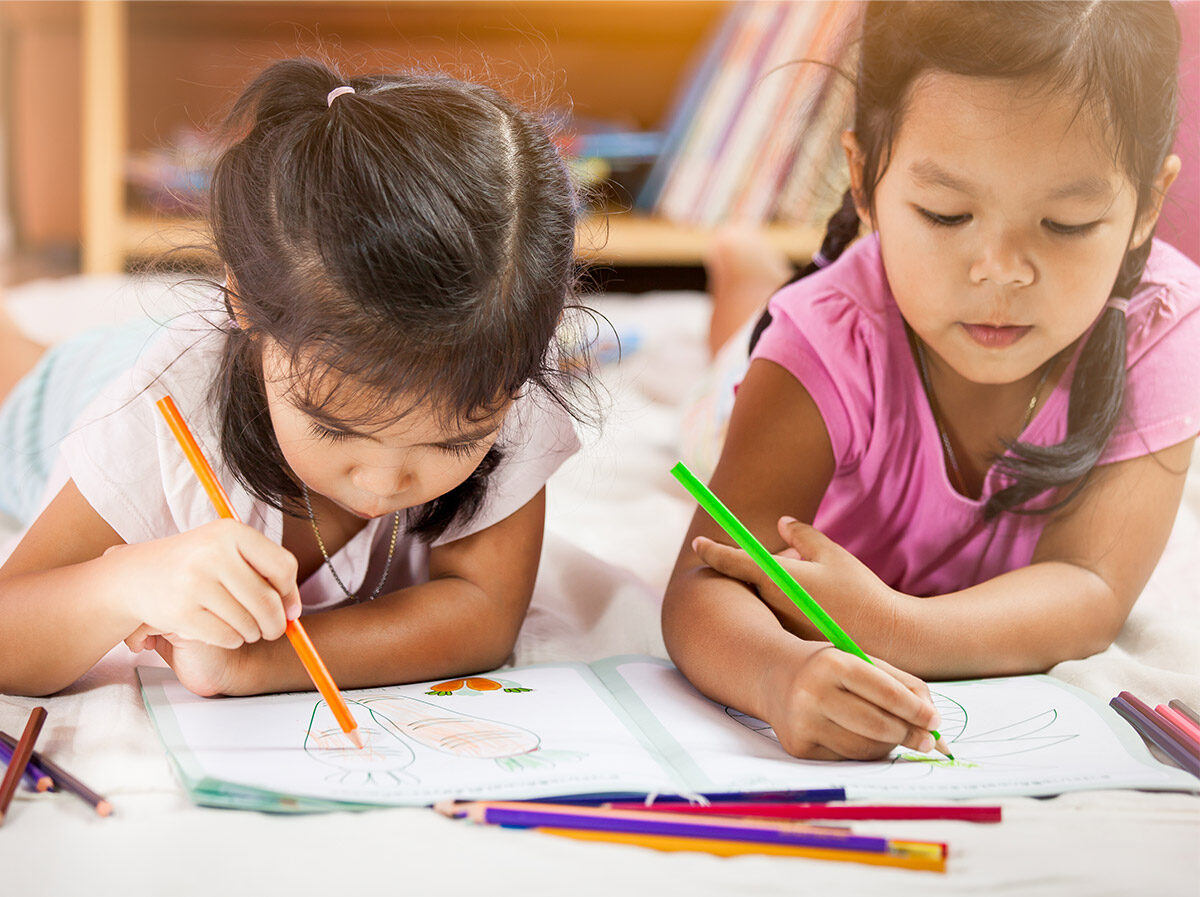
{"type": "Point", "coordinates": [1185, 725]}
{"type": "Point", "coordinates": [20, 757]}
{"type": "Point", "coordinates": [63, 779]}
{"type": "Point", "coordinates": [827, 811]}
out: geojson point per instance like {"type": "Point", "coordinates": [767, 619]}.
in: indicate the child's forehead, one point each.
{"type": "Point", "coordinates": [1004, 125]}
{"type": "Point", "coordinates": [340, 400]}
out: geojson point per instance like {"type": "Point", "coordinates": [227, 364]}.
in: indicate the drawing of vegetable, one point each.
{"type": "Point", "coordinates": [475, 685]}
{"type": "Point", "coordinates": [451, 733]}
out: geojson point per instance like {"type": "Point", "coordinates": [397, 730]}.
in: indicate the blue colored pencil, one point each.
{"type": "Point", "coordinates": [34, 776]}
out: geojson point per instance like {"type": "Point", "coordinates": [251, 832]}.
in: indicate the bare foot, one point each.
{"type": "Point", "coordinates": [18, 353]}
{"type": "Point", "coordinates": [743, 270]}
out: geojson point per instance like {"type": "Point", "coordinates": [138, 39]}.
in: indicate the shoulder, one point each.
{"type": "Point", "coordinates": [840, 334]}
{"type": "Point", "coordinates": [1162, 358]}
{"type": "Point", "coordinates": [1167, 298]}
{"type": "Point", "coordinates": [123, 457]}
{"type": "Point", "coordinates": [537, 436]}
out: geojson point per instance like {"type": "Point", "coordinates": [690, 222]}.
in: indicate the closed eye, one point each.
{"type": "Point", "coordinates": [329, 435]}
{"type": "Point", "coordinates": [943, 220]}
{"type": "Point", "coordinates": [463, 449]}
{"type": "Point", "coordinates": [1069, 230]}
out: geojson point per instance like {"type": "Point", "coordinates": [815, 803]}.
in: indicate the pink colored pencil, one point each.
{"type": "Point", "coordinates": [1185, 725]}
{"type": "Point", "coordinates": [826, 811]}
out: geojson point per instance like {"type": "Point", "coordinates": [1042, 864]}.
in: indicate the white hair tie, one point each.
{"type": "Point", "coordinates": [1120, 303]}
{"type": "Point", "coordinates": [337, 92]}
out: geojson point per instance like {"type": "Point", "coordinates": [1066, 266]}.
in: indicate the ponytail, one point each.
{"type": "Point", "coordinates": [1097, 393]}
{"type": "Point", "coordinates": [839, 233]}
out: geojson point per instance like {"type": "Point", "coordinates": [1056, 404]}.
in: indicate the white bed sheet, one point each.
{"type": "Point", "coordinates": [615, 521]}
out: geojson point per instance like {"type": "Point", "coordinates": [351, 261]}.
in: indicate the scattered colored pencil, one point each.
{"type": "Point", "coordinates": [296, 634]}
{"type": "Point", "coordinates": [1185, 710]}
{"type": "Point", "coordinates": [897, 856]}
{"type": "Point", "coordinates": [810, 795]}
{"type": "Point", "coordinates": [827, 811]}
{"type": "Point", "coordinates": [523, 814]}
{"type": "Point", "coordinates": [63, 779]}
{"type": "Point", "coordinates": [1185, 725]}
{"type": "Point", "coordinates": [20, 757]}
{"type": "Point", "coordinates": [1151, 728]}
{"type": "Point", "coordinates": [769, 565]}
{"type": "Point", "coordinates": [35, 778]}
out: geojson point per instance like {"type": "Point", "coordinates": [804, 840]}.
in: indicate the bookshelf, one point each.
{"type": "Point", "coordinates": [150, 65]}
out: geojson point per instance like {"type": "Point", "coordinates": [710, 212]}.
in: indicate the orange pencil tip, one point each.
{"type": "Point", "coordinates": [355, 739]}
{"type": "Point", "coordinates": [104, 808]}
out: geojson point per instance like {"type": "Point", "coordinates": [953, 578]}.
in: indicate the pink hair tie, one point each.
{"type": "Point", "coordinates": [337, 92]}
{"type": "Point", "coordinates": [1120, 303]}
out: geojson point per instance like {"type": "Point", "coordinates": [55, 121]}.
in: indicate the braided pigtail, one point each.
{"type": "Point", "coordinates": [839, 233]}
{"type": "Point", "coordinates": [1097, 393]}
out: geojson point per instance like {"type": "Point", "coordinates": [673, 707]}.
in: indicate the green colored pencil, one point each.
{"type": "Point", "coordinates": [808, 606]}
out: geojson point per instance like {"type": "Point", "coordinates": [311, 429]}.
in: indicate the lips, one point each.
{"type": "Point", "coordinates": [995, 337]}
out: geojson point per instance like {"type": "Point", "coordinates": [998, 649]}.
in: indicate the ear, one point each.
{"type": "Point", "coordinates": [1158, 192]}
{"type": "Point", "coordinates": [235, 302]}
{"type": "Point", "coordinates": [856, 161]}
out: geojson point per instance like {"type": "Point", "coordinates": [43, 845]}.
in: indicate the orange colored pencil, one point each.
{"type": "Point", "coordinates": [900, 856]}
{"type": "Point", "coordinates": [20, 758]}
{"type": "Point", "coordinates": [301, 643]}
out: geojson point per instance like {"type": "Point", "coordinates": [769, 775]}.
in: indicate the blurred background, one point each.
{"type": "Point", "coordinates": [677, 117]}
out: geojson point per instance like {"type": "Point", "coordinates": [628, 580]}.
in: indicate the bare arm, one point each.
{"type": "Point", "coordinates": [1090, 565]}
{"type": "Point", "coordinates": [733, 646]}
{"type": "Point", "coordinates": [464, 619]}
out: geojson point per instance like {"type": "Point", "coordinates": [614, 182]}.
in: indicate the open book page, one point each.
{"type": "Point", "coordinates": [1023, 735]}
{"type": "Point", "coordinates": [538, 731]}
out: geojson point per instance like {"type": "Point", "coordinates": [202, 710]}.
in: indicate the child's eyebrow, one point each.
{"type": "Point", "coordinates": [929, 173]}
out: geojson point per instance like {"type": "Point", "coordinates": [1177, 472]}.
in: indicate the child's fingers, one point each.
{"type": "Point", "coordinates": [728, 561]}
{"type": "Point", "coordinates": [271, 561]}
{"type": "Point", "coordinates": [204, 625]}
{"type": "Point", "coordinates": [808, 542]}
{"type": "Point", "coordinates": [264, 615]}
{"type": "Point", "coordinates": [869, 731]}
{"type": "Point", "coordinates": [881, 687]}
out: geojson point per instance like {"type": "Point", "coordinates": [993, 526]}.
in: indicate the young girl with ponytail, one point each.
{"type": "Point", "coordinates": [376, 379]}
{"type": "Point", "coordinates": [966, 433]}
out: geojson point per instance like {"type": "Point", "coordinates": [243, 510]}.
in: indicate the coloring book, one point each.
{"type": "Point", "coordinates": [623, 727]}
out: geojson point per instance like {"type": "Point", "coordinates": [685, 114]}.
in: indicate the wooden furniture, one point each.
{"type": "Point", "coordinates": [152, 66]}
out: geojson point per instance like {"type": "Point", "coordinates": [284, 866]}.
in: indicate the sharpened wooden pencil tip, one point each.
{"type": "Point", "coordinates": [355, 739]}
{"type": "Point", "coordinates": [941, 747]}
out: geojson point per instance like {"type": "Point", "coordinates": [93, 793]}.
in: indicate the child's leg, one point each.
{"type": "Point", "coordinates": [743, 270]}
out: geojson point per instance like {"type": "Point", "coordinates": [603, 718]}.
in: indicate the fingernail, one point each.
{"type": "Point", "coordinates": [926, 744]}
{"type": "Point", "coordinates": [696, 544]}
{"type": "Point", "coordinates": [293, 612]}
{"type": "Point", "coordinates": [937, 720]}
{"type": "Point", "coordinates": [786, 520]}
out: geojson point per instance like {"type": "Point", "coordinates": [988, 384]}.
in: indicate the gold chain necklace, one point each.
{"type": "Point", "coordinates": [958, 481]}
{"type": "Point", "coordinates": [312, 518]}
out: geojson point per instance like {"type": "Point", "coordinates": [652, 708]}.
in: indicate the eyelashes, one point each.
{"type": "Point", "coordinates": [454, 449]}
{"type": "Point", "coordinates": [463, 449]}
{"type": "Point", "coordinates": [327, 434]}
{"type": "Point", "coordinates": [1055, 227]}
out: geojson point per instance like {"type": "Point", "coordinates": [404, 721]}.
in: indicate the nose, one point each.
{"type": "Point", "coordinates": [1001, 260]}
{"type": "Point", "coordinates": [383, 482]}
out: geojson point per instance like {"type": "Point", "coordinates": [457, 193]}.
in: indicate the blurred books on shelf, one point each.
{"type": "Point", "coordinates": [753, 134]}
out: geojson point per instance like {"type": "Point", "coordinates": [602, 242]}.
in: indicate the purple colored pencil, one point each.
{"type": "Point", "coordinates": [810, 796]}
{"type": "Point", "coordinates": [1149, 726]}
{"type": "Point", "coordinates": [34, 777]}
{"type": "Point", "coordinates": [63, 779]}
{"type": "Point", "coordinates": [651, 826]}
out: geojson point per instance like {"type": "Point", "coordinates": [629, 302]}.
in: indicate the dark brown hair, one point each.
{"type": "Point", "coordinates": [409, 243]}
{"type": "Point", "coordinates": [1120, 60]}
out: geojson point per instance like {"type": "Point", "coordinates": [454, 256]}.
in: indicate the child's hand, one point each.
{"type": "Point", "coordinates": [830, 705]}
{"type": "Point", "coordinates": [223, 584]}
{"type": "Point", "coordinates": [200, 668]}
{"type": "Point", "coordinates": [849, 591]}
